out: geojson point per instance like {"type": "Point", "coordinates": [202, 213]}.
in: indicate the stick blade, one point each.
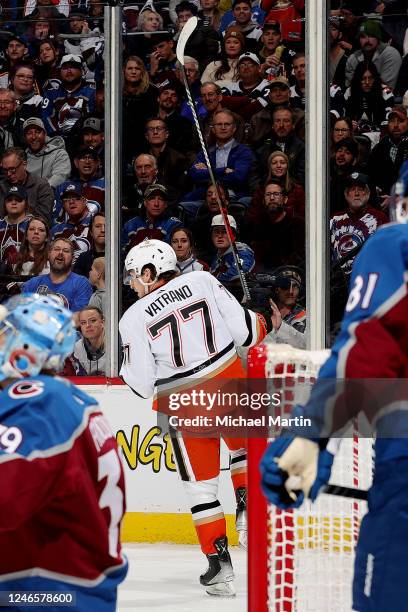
{"type": "Point", "coordinates": [185, 34]}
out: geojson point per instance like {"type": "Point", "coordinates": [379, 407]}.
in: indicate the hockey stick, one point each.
{"type": "Point", "coordinates": [340, 491]}
{"type": "Point", "coordinates": [292, 486]}
{"type": "Point", "coordinates": [185, 34]}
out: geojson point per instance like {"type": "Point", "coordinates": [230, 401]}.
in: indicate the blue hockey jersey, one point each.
{"type": "Point", "coordinates": [372, 344]}
{"type": "Point", "coordinates": [62, 494]}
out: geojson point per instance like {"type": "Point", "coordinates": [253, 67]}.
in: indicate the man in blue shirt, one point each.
{"type": "Point", "coordinates": [72, 289]}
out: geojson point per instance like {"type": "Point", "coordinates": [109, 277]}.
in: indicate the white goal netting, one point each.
{"type": "Point", "coordinates": [310, 551]}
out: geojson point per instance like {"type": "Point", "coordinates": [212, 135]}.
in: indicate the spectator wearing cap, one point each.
{"type": "Point", "coordinates": [201, 227]}
{"type": "Point", "coordinates": [288, 315]}
{"type": "Point", "coordinates": [78, 219]}
{"type": "Point", "coordinates": [223, 265]}
{"type": "Point", "coordinates": [96, 239]}
{"type": "Point", "coordinates": [337, 53]}
{"type": "Point", "coordinates": [9, 125]}
{"type": "Point", "coordinates": [85, 45]}
{"type": "Point", "coordinates": [67, 105]}
{"type": "Point", "coordinates": [172, 166]}
{"type": "Point", "coordinates": [40, 194]}
{"type": "Point", "coordinates": [93, 136]}
{"type": "Point", "coordinates": [388, 155]}
{"type": "Point", "coordinates": [276, 57]}
{"type": "Point", "coordinates": [342, 164]}
{"type": "Point", "coordinates": [14, 224]}
{"type": "Point", "coordinates": [283, 138]}
{"type": "Point", "coordinates": [46, 157]}
{"type": "Point", "coordinates": [247, 95]}
{"type": "Point", "coordinates": [289, 14]}
{"type": "Point", "coordinates": [162, 59]}
{"type": "Point", "coordinates": [87, 164]}
{"type": "Point", "coordinates": [73, 290]}
{"type": "Point", "coordinates": [139, 102]}
{"type": "Point", "coordinates": [351, 228]}
{"type": "Point", "coordinates": [224, 70]}
{"type": "Point", "coordinates": [15, 52]}
{"type": "Point", "coordinates": [260, 126]}
{"type": "Point", "coordinates": [387, 60]}
{"type": "Point", "coordinates": [244, 21]}
{"type": "Point", "coordinates": [231, 161]}
{"type": "Point", "coordinates": [154, 221]}
{"type": "Point", "coordinates": [180, 129]}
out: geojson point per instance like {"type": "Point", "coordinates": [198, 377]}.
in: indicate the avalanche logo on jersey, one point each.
{"type": "Point", "coordinates": [44, 290]}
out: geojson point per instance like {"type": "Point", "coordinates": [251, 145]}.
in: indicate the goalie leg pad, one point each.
{"type": "Point", "coordinates": [380, 570]}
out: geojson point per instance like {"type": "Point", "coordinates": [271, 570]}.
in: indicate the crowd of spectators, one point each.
{"type": "Point", "coordinates": [246, 67]}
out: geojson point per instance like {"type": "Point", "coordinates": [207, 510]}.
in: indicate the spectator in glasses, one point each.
{"type": "Point", "coordinates": [39, 191]}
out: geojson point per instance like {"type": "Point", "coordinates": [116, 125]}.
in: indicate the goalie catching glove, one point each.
{"type": "Point", "coordinates": [293, 468]}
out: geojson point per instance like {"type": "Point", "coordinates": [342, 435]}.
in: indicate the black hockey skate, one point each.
{"type": "Point", "coordinates": [241, 524]}
{"type": "Point", "coordinates": [219, 577]}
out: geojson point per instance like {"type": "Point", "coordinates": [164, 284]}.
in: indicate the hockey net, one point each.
{"type": "Point", "coordinates": [302, 560]}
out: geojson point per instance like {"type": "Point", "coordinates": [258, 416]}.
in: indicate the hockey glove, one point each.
{"type": "Point", "coordinates": [293, 468]}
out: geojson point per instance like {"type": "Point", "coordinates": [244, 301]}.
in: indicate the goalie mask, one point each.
{"type": "Point", "coordinates": [154, 252]}
{"type": "Point", "coordinates": [399, 199]}
{"type": "Point", "coordinates": [36, 333]}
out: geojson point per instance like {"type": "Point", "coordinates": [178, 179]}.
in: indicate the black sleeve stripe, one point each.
{"type": "Point", "coordinates": [248, 322]}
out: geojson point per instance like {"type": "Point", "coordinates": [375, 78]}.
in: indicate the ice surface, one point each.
{"type": "Point", "coordinates": [165, 577]}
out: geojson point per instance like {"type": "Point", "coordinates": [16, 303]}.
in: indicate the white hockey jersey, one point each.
{"type": "Point", "coordinates": [184, 330]}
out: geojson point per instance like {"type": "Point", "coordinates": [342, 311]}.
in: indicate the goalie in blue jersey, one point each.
{"type": "Point", "coordinates": [372, 344]}
{"type": "Point", "coordinates": [62, 483]}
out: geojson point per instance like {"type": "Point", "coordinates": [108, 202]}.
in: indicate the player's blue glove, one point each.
{"type": "Point", "coordinates": [292, 468]}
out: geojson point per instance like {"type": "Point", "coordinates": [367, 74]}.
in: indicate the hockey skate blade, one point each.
{"type": "Point", "coordinates": [222, 589]}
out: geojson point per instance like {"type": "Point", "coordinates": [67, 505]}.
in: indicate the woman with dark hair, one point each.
{"type": "Point", "coordinates": [139, 103]}
{"type": "Point", "coordinates": [47, 60]}
{"type": "Point", "coordinates": [342, 128]}
{"type": "Point", "coordinates": [367, 100]}
{"type": "Point", "coordinates": [182, 241]}
{"type": "Point", "coordinates": [32, 259]}
{"type": "Point", "coordinates": [226, 68]}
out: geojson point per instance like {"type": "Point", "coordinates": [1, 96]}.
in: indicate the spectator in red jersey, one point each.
{"type": "Point", "coordinates": [87, 164]}
{"type": "Point", "coordinates": [97, 241]}
{"type": "Point", "coordinates": [14, 224]}
{"type": "Point", "coordinates": [289, 14]}
{"type": "Point", "coordinates": [351, 228]}
{"type": "Point", "coordinates": [78, 220]}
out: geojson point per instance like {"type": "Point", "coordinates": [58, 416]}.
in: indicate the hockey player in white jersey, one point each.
{"type": "Point", "coordinates": [372, 344]}
{"type": "Point", "coordinates": [181, 328]}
